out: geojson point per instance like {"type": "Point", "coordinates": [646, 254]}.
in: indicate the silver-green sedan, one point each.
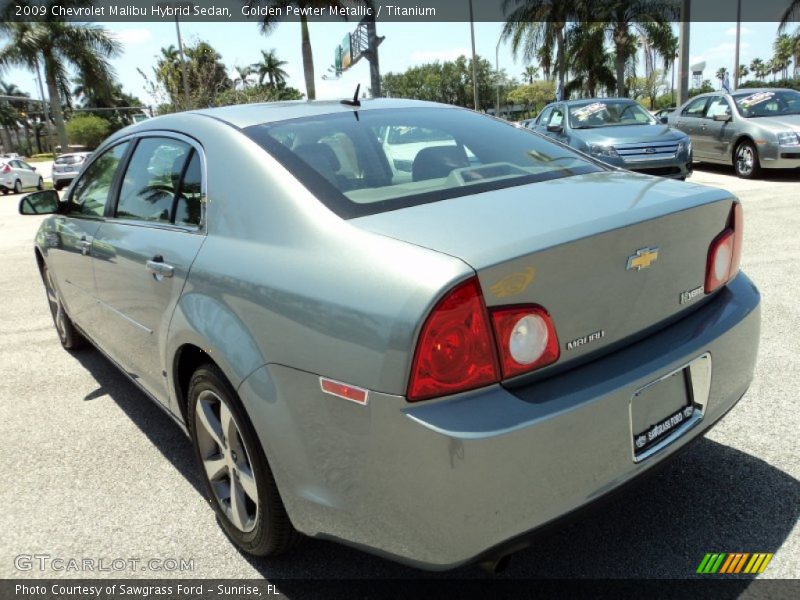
{"type": "Point", "coordinates": [426, 352]}
{"type": "Point", "coordinates": [752, 129]}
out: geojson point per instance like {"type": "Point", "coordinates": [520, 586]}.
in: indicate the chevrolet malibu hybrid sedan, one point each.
{"type": "Point", "coordinates": [753, 129]}
{"type": "Point", "coordinates": [427, 364]}
{"type": "Point", "coordinates": [619, 132]}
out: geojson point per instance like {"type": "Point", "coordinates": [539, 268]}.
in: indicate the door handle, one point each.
{"type": "Point", "coordinates": [159, 268]}
{"type": "Point", "coordinates": [85, 244]}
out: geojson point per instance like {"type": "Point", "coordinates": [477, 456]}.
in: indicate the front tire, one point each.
{"type": "Point", "coordinates": [745, 160]}
{"type": "Point", "coordinates": [40, 184]}
{"type": "Point", "coordinates": [68, 335]}
{"type": "Point", "coordinates": [238, 481]}
{"type": "Point", "coordinates": [17, 187]}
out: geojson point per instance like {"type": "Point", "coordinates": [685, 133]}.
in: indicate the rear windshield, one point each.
{"type": "Point", "coordinates": [69, 159]}
{"type": "Point", "coordinates": [373, 161]}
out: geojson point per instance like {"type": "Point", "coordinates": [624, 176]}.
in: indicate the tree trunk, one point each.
{"type": "Point", "coordinates": [620, 37]}
{"type": "Point", "coordinates": [561, 60]}
{"type": "Point", "coordinates": [308, 60]}
{"type": "Point", "coordinates": [55, 104]}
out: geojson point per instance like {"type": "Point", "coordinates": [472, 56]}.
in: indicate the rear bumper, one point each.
{"type": "Point", "coordinates": [63, 177]}
{"type": "Point", "coordinates": [443, 482]}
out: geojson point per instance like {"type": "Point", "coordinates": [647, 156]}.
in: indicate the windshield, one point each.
{"type": "Point", "coordinates": [608, 113]}
{"type": "Point", "coordinates": [69, 159]}
{"type": "Point", "coordinates": [371, 161]}
{"type": "Point", "coordinates": [771, 103]}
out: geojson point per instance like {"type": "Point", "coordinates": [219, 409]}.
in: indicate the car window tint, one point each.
{"type": "Point", "coordinates": [387, 159]}
{"type": "Point", "coordinates": [148, 188]}
{"type": "Point", "coordinates": [90, 193]}
{"type": "Point", "coordinates": [188, 210]}
{"type": "Point", "coordinates": [695, 108]}
{"type": "Point", "coordinates": [718, 106]}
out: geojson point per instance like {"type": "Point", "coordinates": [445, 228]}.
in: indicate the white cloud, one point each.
{"type": "Point", "coordinates": [426, 56]}
{"type": "Point", "coordinates": [132, 37]}
{"type": "Point", "coordinates": [743, 31]}
{"type": "Point", "coordinates": [721, 53]}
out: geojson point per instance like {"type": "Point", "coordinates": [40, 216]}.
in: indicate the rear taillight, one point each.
{"type": "Point", "coordinates": [455, 351]}
{"type": "Point", "coordinates": [526, 339]}
{"type": "Point", "coordinates": [724, 254]}
{"type": "Point", "coordinates": [458, 348]}
{"type": "Point", "coordinates": [6, 169]}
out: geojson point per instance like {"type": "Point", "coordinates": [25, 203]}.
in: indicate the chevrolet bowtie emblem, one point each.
{"type": "Point", "coordinates": [642, 259]}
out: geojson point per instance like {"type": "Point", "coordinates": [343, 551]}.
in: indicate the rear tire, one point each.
{"type": "Point", "coordinates": [17, 187]}
{"type": "Point", "coordinates": [58, 186]}
{"type": "Point", "coordinates": [745, 160]}
{"type": "Point", "coordinates": [68, 335]}
{"type": "Point", "coordinates": [236, 475]}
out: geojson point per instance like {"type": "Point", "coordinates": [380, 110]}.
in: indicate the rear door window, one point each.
{"type": "Point", "coordinates": [152, 179]}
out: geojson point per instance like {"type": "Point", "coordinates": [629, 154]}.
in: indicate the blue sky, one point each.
{"type": "Point", "coordinates": [406, 44]}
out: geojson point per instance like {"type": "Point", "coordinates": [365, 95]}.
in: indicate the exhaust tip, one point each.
{"type": "Point", "coordinates": [495, 566]}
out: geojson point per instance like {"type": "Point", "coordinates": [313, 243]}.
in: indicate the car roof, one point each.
{"type": "Point", "coordinates": [245, 115]}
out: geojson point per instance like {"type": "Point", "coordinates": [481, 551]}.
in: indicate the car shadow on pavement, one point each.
{"type": "Point", "coordinates": [766, 174]}
{"type": "Point", "coordinates": [711, 498]}
{"type": "Point", "coordinates": [161, 431]}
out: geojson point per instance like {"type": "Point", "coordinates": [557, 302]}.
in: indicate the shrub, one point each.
{"type": "Point", "coordinates": [87, 130]}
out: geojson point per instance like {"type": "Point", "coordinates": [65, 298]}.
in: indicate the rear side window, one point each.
{"type": "Point", "coordinates": [384, 159]}
{"type": "Point", "coordinates": [152, 179]}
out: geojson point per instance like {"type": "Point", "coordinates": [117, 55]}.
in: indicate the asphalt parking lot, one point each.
{"type": "Point", "coordinates": [93, 470]}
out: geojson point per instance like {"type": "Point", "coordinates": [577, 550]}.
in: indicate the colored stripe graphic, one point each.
{"type": "Point", "coordinates": [735, 562]}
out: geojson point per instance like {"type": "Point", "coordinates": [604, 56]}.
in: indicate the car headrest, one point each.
{"type": "Point", "coordinates": [320, 156]}
{"type": "Point", "coordinates": [437, 162]}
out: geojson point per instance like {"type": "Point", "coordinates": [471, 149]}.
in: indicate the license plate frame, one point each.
{"type": "Point", "coordinates": [669, 428]}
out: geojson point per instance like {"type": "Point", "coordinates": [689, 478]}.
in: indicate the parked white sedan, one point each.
{"type": "Point", "coordinates": [16, 174]}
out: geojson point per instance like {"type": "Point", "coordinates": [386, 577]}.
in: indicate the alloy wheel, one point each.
{"type": "Point", "coordinates": [226, 461]}
{"type": "Point", "coordinates": [745, 160]}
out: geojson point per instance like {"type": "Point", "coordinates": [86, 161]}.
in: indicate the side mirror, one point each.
{"type": "Point", "coordinates": [555, 128]}
{"type": "Point", "coordinates": [39, 203]}
{"type": "Point", "coordinates": [724, 118]}
{"type": "Point", "coordinates": [33, 168]}
{"type": "Point", "coordinates": [664, 119]}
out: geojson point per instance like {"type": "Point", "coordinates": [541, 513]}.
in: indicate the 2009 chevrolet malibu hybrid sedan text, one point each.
{"type": "Point", "coordinates": [424, 357]}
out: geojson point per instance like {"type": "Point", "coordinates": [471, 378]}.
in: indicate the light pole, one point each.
{"type": "Point", "coordinates": [474, 61]}
{"type": "Point", "coordinates": [497, 75]}
{"type": "Point", "coordinates": [683, 52]}
{"type": "Point", "coordinates": [738, 34]}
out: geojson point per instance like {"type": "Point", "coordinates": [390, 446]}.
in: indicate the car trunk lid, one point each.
{"type": "Point", "coordinates": [610, 255]}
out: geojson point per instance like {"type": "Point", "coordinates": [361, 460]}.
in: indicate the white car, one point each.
{"type": "Point", "coordinates": [66, 168]}
{"type": "Point", "coordinates": [16, 174]}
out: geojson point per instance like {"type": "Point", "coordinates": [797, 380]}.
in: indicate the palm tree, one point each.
{"type": "Point", "coordinates": [627, 19]}
{"type": "Point", "coordinates": [59, 46]}
{"type": "Point", "coordinates": [589, 61]}
{"type": "Point", "coordinates": [792, 14]}
{"type": "Point", "coordinates": [242, 76]}
{"type": "Point", "coordinates": [269, 67]}
{"type": "Point", "coordinates": [758, 68]}
{"type": "Point", "coordinates": [536, 25]}
{"type": "Point", "coordinates": [530, 73]}
{"type": "Point", "coordinates": [269, 22]}
{"type": "Point", "coordinates": [743, 72]}
{"type": "Point", "coordinates": [783, 47]}
{"type": "Point", "coordinates": [721, 73]}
